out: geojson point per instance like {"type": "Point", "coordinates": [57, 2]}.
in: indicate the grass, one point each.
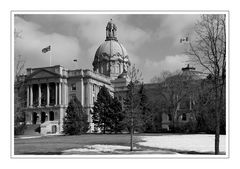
{"type": "Point", "coordinates": [56, 144]}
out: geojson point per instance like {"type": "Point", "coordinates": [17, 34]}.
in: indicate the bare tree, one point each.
{"type": "Point", "coordinates": [174, 89]}
{"type": "Point", "coordinates": [19, 88]}
{"type": "Point", "coordinates": [208, 49]}
{"type": "Point", "coordinates": [18, 59]}
{"type": "Point", "coordinates": [132, 101]}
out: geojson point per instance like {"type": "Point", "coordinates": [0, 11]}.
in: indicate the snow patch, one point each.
{"type": "Point", "coordinates": [28, 137]}
{"type": "Point", "coordinates": [198, 143]}
{"type": "Point", "coordinates": [98, 148]}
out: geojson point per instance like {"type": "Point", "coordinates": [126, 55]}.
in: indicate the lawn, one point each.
{"type": "Point", "coordinates": [57, 144]}
{"type": "Point", "coordinates": [94, 144]}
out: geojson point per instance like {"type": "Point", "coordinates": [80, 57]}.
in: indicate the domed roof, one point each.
{"type": "Point", "coordinates": [111, 49]}
{"type": "Point", "coordinates": [111, 57]}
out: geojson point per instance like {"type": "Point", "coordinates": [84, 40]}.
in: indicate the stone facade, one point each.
{"type": "Point", "coordinates": [49, 89]}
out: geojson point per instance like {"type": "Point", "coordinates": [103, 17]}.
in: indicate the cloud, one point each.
{"type": "Point", "coordinates": [91, 30]}
{"type": "Point", "coordinates": [176, 26]}
{"type": "Point", "coordinates": [63, 48]}
{"type": "Point", "coordinates": [152, 46]}
{"type": "Point", "coordinates": [132, 37]}
{"type": "Point", "coordinates": [170, 63]}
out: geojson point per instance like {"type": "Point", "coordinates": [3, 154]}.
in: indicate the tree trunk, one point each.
{"type": "Point", "coordinates": [104, 128]}
{"type": "Point", "coordinates": [217, 112]}
{"type": "Point", "coordinates": [217, 134]}
{"type": "Point", "coordinates": [131, 132]}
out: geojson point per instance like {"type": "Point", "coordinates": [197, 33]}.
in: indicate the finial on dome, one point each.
{"type": "Point", "coordinates": [111, 31]}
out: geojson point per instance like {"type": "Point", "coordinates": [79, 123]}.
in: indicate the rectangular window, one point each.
{"type": "Point", "coordinates": [73, 87]}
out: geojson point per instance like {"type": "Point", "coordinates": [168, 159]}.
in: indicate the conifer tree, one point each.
{"type": "Point", "coordinates": [101, 112]}
{"type": "Point", "coordinates": [76, 119]}
{"type": "Point", "coordinates": [107, 112]}
{"type": "Point", "coordinates": [116, 116]}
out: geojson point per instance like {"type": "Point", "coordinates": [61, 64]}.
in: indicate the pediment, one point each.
{"type": "Point", "coordinates": [43, 74]}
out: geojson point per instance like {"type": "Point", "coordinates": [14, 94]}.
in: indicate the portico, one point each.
{"type": "Point", "coordinates": [44, 94]}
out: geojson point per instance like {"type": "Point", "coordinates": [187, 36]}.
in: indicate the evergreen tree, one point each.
{"type": "Point", "coordinates": [116, 116]}
{"type": "Point", "coordinates": [107, 112]}
{"type": "Point", "coordinates": [76, 119]}
{"type": "Point", "coordinates": [101, 110]}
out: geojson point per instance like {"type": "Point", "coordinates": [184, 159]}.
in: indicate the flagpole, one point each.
{"type": "Point", "coordinates": [50, 58]}
{"type": "Point", "coordinates": [75, 63]}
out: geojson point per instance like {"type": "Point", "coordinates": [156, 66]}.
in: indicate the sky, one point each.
{"type": "Point", "coordinates": [152, 41]}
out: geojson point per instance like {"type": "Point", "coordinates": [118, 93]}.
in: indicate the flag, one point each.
{"type": "Point", "coordinates": [75, 60]}
{"type": "Point", "coordinates": [45, 50]}
{"type": "Point", "coordinates": [184, 40]}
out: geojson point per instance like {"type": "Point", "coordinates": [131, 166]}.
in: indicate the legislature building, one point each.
{"type": "Point", "coordinates": [49, 89]}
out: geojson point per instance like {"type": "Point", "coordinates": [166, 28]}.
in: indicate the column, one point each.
{"type": "Point", "coordinates": [63, 99]}
{"type": "Point", "coordinates": [88, 99]}
{"type": "Point", "coordinates": [56, 94]}
{"type": "Point", "coordinates": [87, 94]}
{"type": "Point", "coordinates": [39, 95]}
{"type": "Point", "coordinates": [31, 96]}
{"type": "Point", "coordinates": [47, 116]}
{"type": "Point", "coordinates": [65, 94]}
{"type": "Point", "coordinates": [48, 96]}
{"type": "Point", "coordinates": [60, 93]}
{"type": "Point", "coordinates": [81, 91]}
{"type": "Point", "coordinates": [89, 104]}
{"type": "Point", "coordinates": [91, 94]}
{"type": "Point", "coordinates": [27, 96]}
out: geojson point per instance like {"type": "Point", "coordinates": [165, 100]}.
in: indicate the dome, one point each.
{"type": "Point", "coordinates": [112, 50]}
{"type": "Point", "coordinates": [111, 58]}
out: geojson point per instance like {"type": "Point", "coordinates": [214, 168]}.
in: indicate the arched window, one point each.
{"type": "Point", "coordinates": [43, 117]}
{"type": "Point", "coordinates": [51, 116]}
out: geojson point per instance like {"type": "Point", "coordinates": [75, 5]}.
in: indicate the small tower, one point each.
{"type": "Point", "coordinates": [111, 31]}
